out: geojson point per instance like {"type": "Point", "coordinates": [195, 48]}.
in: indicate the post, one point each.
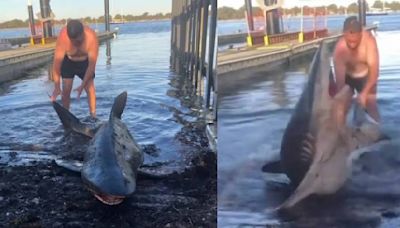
{"type": "Point", "coordinates": [173, 35]}
{"type": "Point", "coordinates": [362, 12]}
{"type": "Point", "coordinates": [315, 23]}
{"type": "Point", "coordinates": [249, 15]}
{"type": "Point", "coordinates": [107, 15]}
{"type": "Point", "coordinates": [250, 22]}
{"type": "Point", "coordinates": [45, 14]}
{"type": "Point", "coordinates": [211, 55]}
{"type": "Point", "coordinates": [31, 18]}
{"type": "Point", "coordinates": [204, 29]}
{"type": "Point", "coordinates": [301, 33]}
{"type": "Point", "coordinates": [197, 50]}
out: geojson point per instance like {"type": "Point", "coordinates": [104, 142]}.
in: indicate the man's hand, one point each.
{"type": "Point", "coordinates": [56, 92]}
{"type": "Point", "coordinates": [362, 99]}
{"type": "Point", "coordinates": [79, 91]}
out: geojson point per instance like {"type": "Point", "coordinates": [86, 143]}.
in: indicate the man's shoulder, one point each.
{"type": "Point", "coordinates": [63, 32]}
{"type": "Point", "coordinates": [89, 30]}
{"type": "Point", "coordinates": [369, 37]}
{"type": "Point", "coordinates": [62, 38]}
{"type": "Point", "coordinates": [340, 44]}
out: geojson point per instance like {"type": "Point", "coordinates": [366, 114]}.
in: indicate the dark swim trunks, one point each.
{"type": "Point", "coordinates": [356, 83]}
{"type": "Point", "coordinates": [71, 68]}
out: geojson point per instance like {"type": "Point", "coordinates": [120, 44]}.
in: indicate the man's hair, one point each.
{"type": "Point", "coordinates": [74, 29]}
{"type": "Point", "coordinates": [352, 25]}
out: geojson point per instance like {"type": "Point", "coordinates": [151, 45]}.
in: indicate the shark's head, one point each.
{"type": "Point", "coordinates": [109, 189]}
{"type": "Point", "coordinates": [109, 170]}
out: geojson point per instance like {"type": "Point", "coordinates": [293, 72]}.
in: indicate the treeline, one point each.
{"type": "Point", "coordinates": [225, 13]}
{"type": "Point", "coordinates": [17, 23]}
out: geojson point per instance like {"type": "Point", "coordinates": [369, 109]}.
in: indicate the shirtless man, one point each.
{"type": "Point", "coordinates": [76, 53]}
{"type": "Point", "coordinates": [356, 61]}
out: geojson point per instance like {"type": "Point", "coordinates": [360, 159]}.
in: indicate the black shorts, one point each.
{"type": "Point", "coordinates": [71, 68]}
{"type": "Point", "coordinates": [356, 83]}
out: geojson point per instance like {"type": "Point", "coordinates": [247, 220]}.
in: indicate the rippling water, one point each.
{"type": "Point", "coordinates": [139, 65]}
{"type": "Point", "coordinates": [252, 119]}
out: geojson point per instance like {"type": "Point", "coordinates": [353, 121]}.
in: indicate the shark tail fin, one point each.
{"type": "Point", "coordinates": [119, 105]}
{"type": "Point", "coordinates": [70, 122]}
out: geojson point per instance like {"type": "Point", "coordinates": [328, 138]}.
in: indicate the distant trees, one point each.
{"type": "Point", "coordinates": [231, 13]}
{"type": "Point", "coordinates": [14, 24]}
{"type": "Point", "coordinates": [352, 8]}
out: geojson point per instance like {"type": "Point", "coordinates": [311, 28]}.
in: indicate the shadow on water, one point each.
{"type": "Point", "coordinates": [252, 119]}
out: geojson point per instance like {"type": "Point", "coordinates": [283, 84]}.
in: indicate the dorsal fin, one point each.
{"type": "Point", "coordinates": [119, 105]}
{"type": "Point", "coordinates": [70, 122]}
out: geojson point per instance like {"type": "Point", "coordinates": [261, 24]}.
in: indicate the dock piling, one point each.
{"type": "Point", "coordinates": [107, 14]}
{"type": "Point", "coordinates": [45, 14]}
{"type": "Point", "coordinates": [31, 18]}
{"type": "Point", "coordinates": [362, 8]}
{"type": "Point", "coordinates": [193, 52]}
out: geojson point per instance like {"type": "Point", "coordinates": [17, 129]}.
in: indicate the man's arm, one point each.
{"type": "Point", "coordinates": [93, 52]}
{"type": "Point", "coordinates": [373, 65]}
{"type": "Point", "coordinates": [59, 53]}
{"type": "Point", "coordinates": [340, 65]}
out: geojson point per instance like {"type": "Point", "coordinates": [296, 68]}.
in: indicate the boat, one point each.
{"type": "Point", "coordinates": [377, 11]}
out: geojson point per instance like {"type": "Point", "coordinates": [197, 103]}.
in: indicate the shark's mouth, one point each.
{"type": "Point", "coordinates": [107, 199]}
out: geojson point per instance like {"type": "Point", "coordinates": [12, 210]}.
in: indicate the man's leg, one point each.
{"type": "Point", "coordinates": [372, 106]}
{"type": "Point", "coordinates": [66, 92]}
{"type": "Point", "coordinates": [91, 93]}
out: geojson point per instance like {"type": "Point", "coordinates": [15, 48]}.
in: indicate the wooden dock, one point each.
{"type": "Point", "coordinates": [233, 60]}
{"type": "Point", "coordinates": [16, 62]}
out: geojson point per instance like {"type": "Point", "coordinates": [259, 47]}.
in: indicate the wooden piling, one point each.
{"type": "Point", "coordinates": [193, 52]}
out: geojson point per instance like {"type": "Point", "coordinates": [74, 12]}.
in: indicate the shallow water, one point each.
{"type": "Point", "coordinates": [139, 65]}
{"type": "Point", "coordinates": [252, 119]}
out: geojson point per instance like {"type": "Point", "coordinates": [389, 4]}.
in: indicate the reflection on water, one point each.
{"type": "Point", "coordinates": [140, 66]}
{"type": "Point", "coordinates": [108, 52]}
{"type": "Point", "coordinates": [252, 119]}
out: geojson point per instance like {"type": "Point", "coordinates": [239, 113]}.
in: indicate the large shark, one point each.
{"type": "Point", "coordinates": [111, 162]}
{"type": "Point", "coordinates": [319, 138]}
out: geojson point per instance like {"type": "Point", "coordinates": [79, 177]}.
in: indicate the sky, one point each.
{"type": "Point", "coordinates": [291, 3]}
{"type": "Point", "coordinates": [11, 9]}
